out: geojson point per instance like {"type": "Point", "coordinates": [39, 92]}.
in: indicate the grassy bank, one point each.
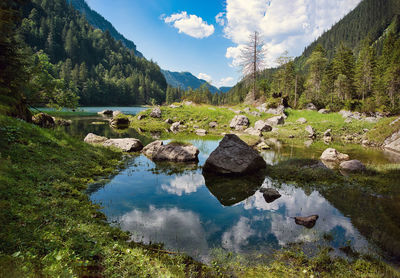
{"type": "Point", "coordinates": [199, 116]}
{"type": "Point", "coordinates": [51, 229]}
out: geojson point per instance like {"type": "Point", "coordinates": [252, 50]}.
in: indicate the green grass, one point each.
{"type": "Point", "coordinates": [383, 130]}
{"type": "Point", "coordinates": [49, 227]}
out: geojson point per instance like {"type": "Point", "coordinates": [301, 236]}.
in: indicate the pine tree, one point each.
{"type": "Point", "coordinates": [365, 70]}
{"type": "Point", "coordinates": [316, 67]}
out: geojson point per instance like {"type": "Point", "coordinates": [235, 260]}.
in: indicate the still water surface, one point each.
{"type": "Point", "coordinates": [176, 205]}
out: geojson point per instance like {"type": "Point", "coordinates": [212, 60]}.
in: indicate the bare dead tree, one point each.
{"type": "Point", "coordinates": [253, 58]}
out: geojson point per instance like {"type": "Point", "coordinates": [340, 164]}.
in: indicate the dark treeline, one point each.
{"type": "Point", "coordinates": [86, 61]}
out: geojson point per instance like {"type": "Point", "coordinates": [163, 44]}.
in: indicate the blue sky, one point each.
{"type": "Point", "coordinates": [205, 37]}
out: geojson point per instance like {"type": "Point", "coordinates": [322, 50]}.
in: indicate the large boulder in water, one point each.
{"type": "Point", "coordinates": [307, 222]}
{"type": "Point", "coordinates": [270, 194]}
{"type": "Point", "coordinates": [175, 152]}
{"type": "Point", "coordinates": [125, 144]}
{"type": "Point", "coordinates": [95, 139]}
{"type": "Point", "coordinates": [240, 122]}
{"type": "Point", "coordinates": [152, 148]}
{"type": "Point", "coordinates": [233, 156]}
{"type": "Point", "coordinates": [352, 166]}
{"type": "Point", "coordinates": [332, 155]}
{"type": "Point", "coordinates": [43, 120]}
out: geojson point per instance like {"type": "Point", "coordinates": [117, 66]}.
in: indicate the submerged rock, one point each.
{"type": "Point", "coordinates": [307, 222]}
{"type": "Point", "coordinates": [125, 144]}
{"type": "Point", "coordinates": [352, 166]}
{"type": "Point", "coordinates": [270, 194]}
{"type": "Point", "coordinates": [94, 139]}
{"type": "Point", "coordinates": [239, 122]}
{"type": "Point", "coordinates": [233, 156]}
{"type": "Point", "coordinates": [119, 122]}
{"type": "Point", "coordinates": [43, 120]}
{"type": "Point", "coordinates": [156, 113]}
{"type": "Point", "coordinates": [105, 112]}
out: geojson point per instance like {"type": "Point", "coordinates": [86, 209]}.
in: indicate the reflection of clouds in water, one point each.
{"type": "Point", "coordinates": [184, 184]}
{"type": "Point", "coordinates": [294, 202]}
{"type": "Point", "coordinates": [237, 236]}
{"type": "Point", "coordinates": [178, 229]}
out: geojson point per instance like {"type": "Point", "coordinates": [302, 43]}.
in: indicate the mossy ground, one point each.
{"type": "Point", "coordinates": [199, 116]}
{"type": "Point", "coordinates": [51, 229]}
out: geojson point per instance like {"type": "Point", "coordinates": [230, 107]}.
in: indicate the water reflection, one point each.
{"type": "Point", "coordinates": [185, 184]}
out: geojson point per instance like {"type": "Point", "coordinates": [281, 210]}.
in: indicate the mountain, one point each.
{"type": "Point", "coordinates": [98, 21]}
{"type": "Point", "coordinates": [185, 80]}
{"type": "Point", "coordinates": [87, 61]}
{"type": "Point", "coordinates": [225, 89]}
{"type": "Point", "coordinates": [369, 19]}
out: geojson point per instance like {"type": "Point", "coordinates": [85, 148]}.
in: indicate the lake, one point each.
{"type": "Point", "coordinates": [177, 205]}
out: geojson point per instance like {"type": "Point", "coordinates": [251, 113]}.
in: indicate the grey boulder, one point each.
{"type": "Point", "coordinates": [262, 126]}
{"type": "Point", "coordinates": [233, 156]}
{"type": "Point", "coordinates": [156, 113]}
{"type": "Point", "coordinates": [239, 122]}
{"type": "Point", "coordinates": [94, 139]}
{"type": "Point", "coordinates": [124, 144]}
{"type": "Point", "coordinates": [352, 166]}
{"type": "Point", "coordinates": [277, 120]}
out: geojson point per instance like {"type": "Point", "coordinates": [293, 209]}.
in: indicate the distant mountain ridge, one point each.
{"type": "Point", "coordinates": [98, 21]}
{"type": "Point", "coordinates": [185, 80]}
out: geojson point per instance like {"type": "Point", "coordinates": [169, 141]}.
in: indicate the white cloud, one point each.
{"type": "Point", "coordinates": [219, 18]}
{"type": "Point", "coordinates": [205, 77]}
{"type": "Point", "coordinates": [184, 184]}
{"type": "Point", "coordinates": [191, 25]}
{"type": "Point", "coordinates": [226, 82]}
{"type": "Point", "coordinates": [283, 24]}
{"type": "Point", "coordinates": [237, 236]}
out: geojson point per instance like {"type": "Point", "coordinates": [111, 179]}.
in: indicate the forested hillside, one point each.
{"type": "Point", "coordinates": [85, 60]}
{"type": "Point", "coordinates": [98, 21]}
{"type": "Point", "coordinates": [186, 80]}
{"type": "Point", "coordinates": [355, 65]}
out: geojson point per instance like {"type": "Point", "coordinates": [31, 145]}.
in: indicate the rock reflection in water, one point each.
{"type": "Point", "coordinates": [230, 190]}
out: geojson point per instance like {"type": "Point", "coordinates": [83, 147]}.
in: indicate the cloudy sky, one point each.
{"type": "Point", "coordinates": [205, 37]}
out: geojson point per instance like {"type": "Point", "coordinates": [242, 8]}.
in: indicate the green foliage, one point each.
{"type": "Point", "coordinates": [100, 69]}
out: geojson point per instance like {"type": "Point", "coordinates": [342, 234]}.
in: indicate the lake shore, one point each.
{"type": "Point", "coordinates": [45, 173]}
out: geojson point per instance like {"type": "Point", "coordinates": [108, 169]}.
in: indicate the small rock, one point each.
{"type": "Point", "coordinates": [156, 113]}
{"type": "Point", "coordinates": [247, 110]}
{"type": "Point", "coordinates": [263, 146]}
{"type": "Point", "coordinates": [255, 113]}
{"type": "Point", "coordinates": [141, 117]}
{"type": "Point", "coordinates": [105, 112]}
{"type": "Point", "coordinates": [119, 122]}
{"type": "Point", "coordinates": [116, 113]}
{"type": "Point", "coordinates": [270, 194]}
{"type": "Point", "coordinates": [43, 120]}
{"type": "Point", "coordinates": [307, 222]}
{"type": "Point", "coordinates": [348, 120]}
{"type": "Point", "coordinates": [175, 106]}
{"type": "Point", "coordinates": [262, 126]}
{"type": "Point", "coordinates": [213, 124]}
{"type": "Point", "coordinates": [352, 166]}
{"type": "Point", "coordinates": [201, 132]}
{"type": "Point", "coordinates": [253, 131]}
{"type": "Point", "coordinates": [94, 139]}
{"type": "Point", "coordinates": [311, 107]}
{"type": "Point", "coordinates": [311, 131]}
{"type": "Point", "coordinates": [291, 136]}
{"type": "Point", "coordinates": [169, 121]}
{"type": "Point", "coordinates": [277, 120]}
{"type": "Point", "coordinates": [125, 144]}
{"type": "Point", "coordinates": [276, 111]}
{"type": "Point", "coordinates": [175, 127]}
{"type": "Point", "coordinates": [327, 139]}
{"type": "Point", "coordinates": [302, 121]}
{"type": "Point", "coordinates": [152, 148]}
{"type": "Point", "coordinates": [324, 111]}
{"type": "Point", "coordinates": [327, 132]}
{"type": "Point", "coordinates": [239, 122]}
{"type": "Point", "coordinates": [195, 126]}
{"type": "Point", "coordinates": [365, 130]}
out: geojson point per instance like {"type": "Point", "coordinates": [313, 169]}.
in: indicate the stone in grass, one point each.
{"type": "Point", "coordinates": [277, 120]}
{"type": "Point", "coordinates": [262, 126]}
{"type": "Point", "coordinates": [94, 139]}
{"type": "Point", "coordinates": [201, 132]}
{"type": "Point", "coordinates": [125, 144]}
{"type": "Point", "coordinates": [156, 113]}
{"type": "Point", "coordinates": [253, 131]}
{"type": "Point", "coordinates": [311, 131]}
{"type": "Point", "coordinates": [175, 127]}
{"type": "Point", "coordinates": [213, 124]}
{"type": "Point", "coordinates": [239, 122]}
{"type": "Point", "coordinates": [141, 117]}
{"type": "Point", "coordinates": [352, 166]}
{"type": "Point", "coordinates": [233, 156]}
{"type": "Point", "coordinates": [307, 222]}
{"type": "Point", "coordinates": [169, 121]}
{"type": "Point", "coordinates": [302, 121]}
{"type": "Point", "coordinates": [270, 194]}
{"type": "Point", "coordinates": [43, 120]}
